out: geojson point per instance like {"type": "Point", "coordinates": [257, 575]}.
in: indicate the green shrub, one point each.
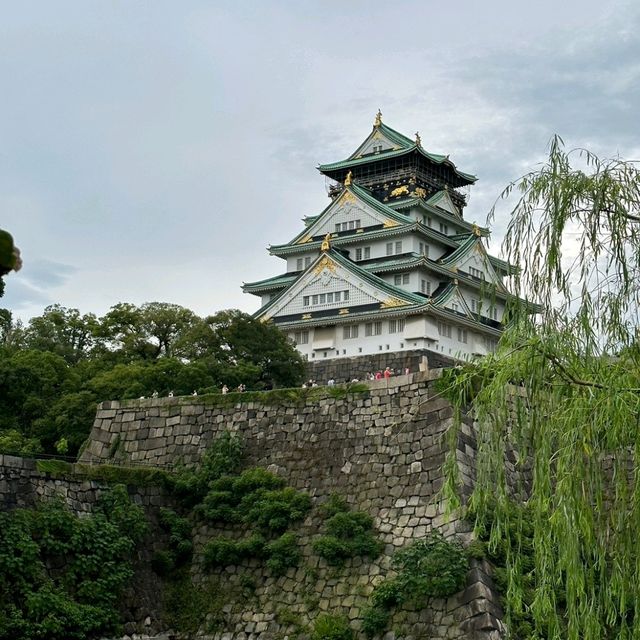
{"type": "Point", "coordinates": [433, 567]}
{"type": "Point", "coordinates": [223, 552]}
{"type": "Point", "coordinates": [256, 497]}
{"type": "Point", "coordinates": [61, 576]}
{"type": "Point", "coordinates": [374, 620]}
{"type": "Point", "coordinates": [335, 504]}
{"type": "Point", "coordinates": [224, 456]}
{"type": "Point", "coordinates": [387, 594]}
{"type": "Point", "coordinates": [180, 546]}
{"type": "Point", "coordinates": [330, 627]}
{"type": "Point", "coordinates": [275, 510]}
{"type": "Point", "coordinates": [282, 553]}
{"type": "Point", "coordinates": [349, 534]}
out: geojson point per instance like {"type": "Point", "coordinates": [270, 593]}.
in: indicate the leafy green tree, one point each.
{"type": "Point", "coordinates": [561, 397]}
{"type": "Point", "coordinates": [9, 257]}
{"type": "Point", "coordinates": [30, 381]}
{"type": "Point", "coordinates": [148, 332]}
{"type": "Point", "coordinates": [61, 576]}
{"type": "Point", "coordinates": [63, 331]}
{"type": "Point", "coordinates": [242, 339]}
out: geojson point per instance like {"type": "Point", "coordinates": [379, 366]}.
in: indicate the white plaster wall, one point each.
{"type": "Point", "coordinates": [421, 332]}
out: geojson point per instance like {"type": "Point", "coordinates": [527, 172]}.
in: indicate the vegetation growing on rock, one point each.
{"type": "Point", "coordinates": [61, 576]}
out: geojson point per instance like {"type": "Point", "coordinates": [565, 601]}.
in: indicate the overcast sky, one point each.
{"type": "Point", "coordinates": [150, 150]}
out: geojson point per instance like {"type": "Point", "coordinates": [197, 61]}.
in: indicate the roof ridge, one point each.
{"type": "Point", "coordinates": [402, 139]}
{"type": "Point", "coordinates": [374, 279]}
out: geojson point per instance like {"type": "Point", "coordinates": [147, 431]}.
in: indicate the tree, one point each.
{"type": "Point", "coordinates": [147, 332]}
{"type": "Point", "coordinates": [9, 257]}
{"type": "Point", "coordinates": [562, 397]}
{"type": "Point", "coordinates": [241, 339]}
{"type": "Point", "coordinates": [63, 331]}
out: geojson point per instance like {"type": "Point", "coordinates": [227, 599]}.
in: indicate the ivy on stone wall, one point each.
{"type": "Point", "coordinates": [429, 568]}
{"type": "Point", "coordinates": [61, 576]}
{"type": "Point", "coordinates": [348, 534]}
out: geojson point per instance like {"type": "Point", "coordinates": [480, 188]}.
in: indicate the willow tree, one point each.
{"type": "Point", "coordinates": [561, 397]}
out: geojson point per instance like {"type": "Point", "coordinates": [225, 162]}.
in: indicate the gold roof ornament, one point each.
{"type": "Point", "coordinates": [418, 140]}
{"type": "Point", "coordinates": [476, 229]}
{"type": "Point", "coordinates": [326, 243]}
{"type": "Point", "coordinates": [349, 179]}
{"type": "Point", "coordinates": [378, 120]}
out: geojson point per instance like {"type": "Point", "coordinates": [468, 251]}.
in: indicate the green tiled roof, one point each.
{"type": "Point", "coordinates": [436, 158]}
{"type": "Point", "coordinates": [467, 245]}
{"type": "Point", "coordinates": [360, 273]}
{"type": "Point", "coordinates": [293, 248]}
{"type": "Point", "coordinates": [373, 279]}
{"type": "Point", "coordinates": [364, 195]}
{"type": "Point", "coordinates": [270, 283]}
{"type": "Point", "coordinates": [407, 203]}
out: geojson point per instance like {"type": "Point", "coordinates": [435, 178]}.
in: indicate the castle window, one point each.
{"type": "Point", "coordinates": [367, 253]}
{"type": "Point", "coordinates": [299, 263]}
{"type": "Point", "coordinates": [476, 273]}
{"type": "Point", "coordinates": [389, 248]}
{"type": "Point", "coordinates": [325, 298]}
{"type": "Point", "coordinates": [444, 329]}
{"type": "Point", "coordinates": [350, 331]}
{"type": "Point", "coordinates": [377, 148]}
{"type": "Point", "coordinates": [397, 279]}
{"type": "Point", "coordinates": [307, 262]}
{"type": "Point", "coordinates": [462, 335]}
{"type": "Point", "coordinates": [396, 326]}
{"type": "Point", "coordinates": [455, 307]}
{"type": "Point", "coordinates": [425, 287]}
{"type": "Point", "coordinates": [373, 329]}
{"type": "Point", "coordinates": [399, 247]}
{"type": "Point", "coordinates": [444, 229]}
{"type": "Point", "coordinates": [405, 278]}
{"type": "Point", "coordinates": [301, 337]}
{"type": "Point", "coordinates": [359, 254]}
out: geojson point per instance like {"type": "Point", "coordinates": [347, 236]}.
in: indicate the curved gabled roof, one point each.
{"type": "Point", "coordinates": [383, 155]}
{"type": "Point", "coordinates": [365, 196]}
{"type": "Point", "coordinates": [402, 146]}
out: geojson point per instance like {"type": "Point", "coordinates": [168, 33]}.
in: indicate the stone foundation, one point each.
{"type": "Point", "coordinates": [382, 450]}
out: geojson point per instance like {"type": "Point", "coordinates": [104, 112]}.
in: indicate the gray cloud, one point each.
{"type": "Point", "coordinates": [164, 150]}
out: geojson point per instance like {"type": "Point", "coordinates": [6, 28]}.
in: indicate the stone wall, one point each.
{"type": "Point", "coordinates": [22, 485]}
{"type": "Point", "coordinates": [346, 369]}
{"type": "Point", "coordinates": [383, 450]}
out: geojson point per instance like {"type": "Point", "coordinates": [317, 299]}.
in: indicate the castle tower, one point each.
{"type": "Point", "coordinates": [390, 264]}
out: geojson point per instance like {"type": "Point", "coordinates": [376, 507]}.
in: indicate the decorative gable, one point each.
{"type": "Point", "coordinates": [347, 212]}
{"type": "Point", "coordinates": [453, 300]}
{"type": "Point", "coordinates": [476, 264]}
{"type": "Point", "coordinates": [375, 143]}
{"type": "Point", "coordinates": [443, 201]}
{"type": "Point", "coordinates": [330, 285]}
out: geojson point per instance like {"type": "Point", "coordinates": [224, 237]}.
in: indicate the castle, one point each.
{"type": "Point", "coordinates": [391, 264]}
